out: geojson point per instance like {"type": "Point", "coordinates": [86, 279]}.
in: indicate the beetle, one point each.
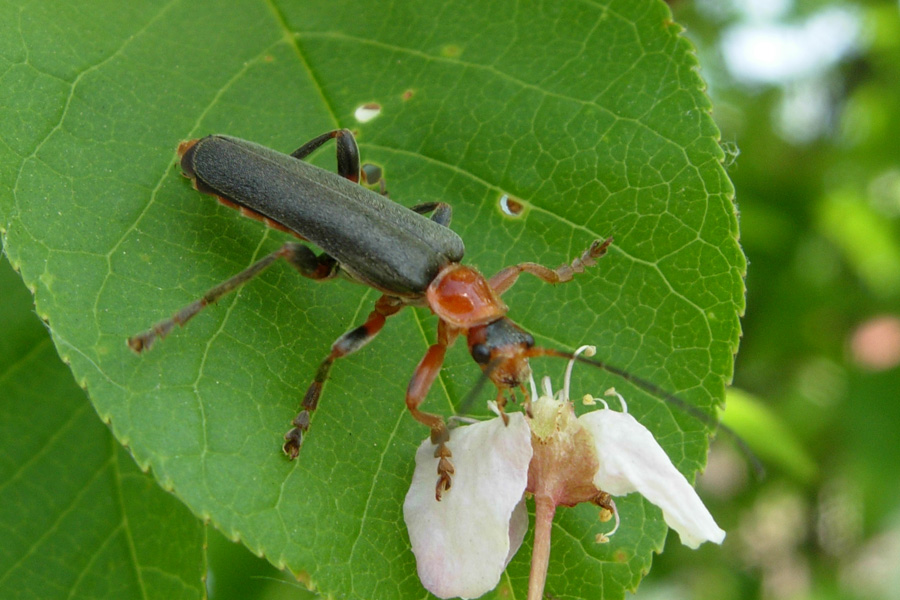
{"type": "Point", "coordinates": [410, 258]}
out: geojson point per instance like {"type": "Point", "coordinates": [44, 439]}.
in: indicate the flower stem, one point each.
{"type": "Point", "coordinates": [544, 509]}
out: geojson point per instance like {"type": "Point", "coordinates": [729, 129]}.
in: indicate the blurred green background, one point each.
{"type": "Point", "coordinates": [807, 95]}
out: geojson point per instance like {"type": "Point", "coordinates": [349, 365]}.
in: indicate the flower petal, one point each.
{"type": "Point", "coordinates": [632, 461]}
{"type": "Point", "coordinates": [463, 543]}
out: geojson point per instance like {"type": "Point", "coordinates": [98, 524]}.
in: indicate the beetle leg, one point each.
{"type": "Point", "coordinates": [347, 152]}
{"type": "Point", "coordinates": [421, 381]}
{"type": "Point", "coordinates": [527, 402]}
{"type": "Point", "coordinates": [504, 280]}
{"type": "Point", "coordinates": [348, 343]}
{"type": "Point", "coordinates": [501, 405]}
{"type": "Point", "coordinates": [323, 266]}
{"type": "Point", "coordinates": [372, 174]}
{"type": "Point", "coordinates": [348, 165]}
{"type": "Point", "coordinates": [298, 255]}
{"type": "Point", "coordinates": [442, 211]}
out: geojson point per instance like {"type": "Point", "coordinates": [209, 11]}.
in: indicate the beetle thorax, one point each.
{"type": "Point", "coordinates": [463, 298]}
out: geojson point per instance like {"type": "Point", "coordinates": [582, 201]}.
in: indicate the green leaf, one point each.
{"type": "Point", "coordinates": [78, 519]}
{"type": "Point", "coordinates": [592, 115]}
{"type": "Point", "coordinates": [768, 435]}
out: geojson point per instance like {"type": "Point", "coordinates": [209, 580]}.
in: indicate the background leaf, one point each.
{"type": "Point", "coordinates": [77, 518]}
{"type": "Point", "coordinates": [591, 115]}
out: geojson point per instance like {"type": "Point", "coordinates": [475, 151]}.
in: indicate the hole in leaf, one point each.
{"type": "Point", "coordinates": [510, 206]}
{"type": "Point", "coordinates": [367, 112]}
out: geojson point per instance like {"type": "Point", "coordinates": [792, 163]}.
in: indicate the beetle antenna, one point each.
{"type": "Point", "coordinates": [645, 385]}
{"type": "Point", "coordinates": [662, 394]}
{"type": "Point", "coordinates": [469, 399]}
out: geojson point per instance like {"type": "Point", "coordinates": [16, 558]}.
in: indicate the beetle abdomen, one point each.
{"type": "Point", "coordinates": [378, 241]}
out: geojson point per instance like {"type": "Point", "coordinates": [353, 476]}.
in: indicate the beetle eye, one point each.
{"type": "Point", "coordinates": [529, 340]}
{"type": "Point", "coordinates": [481, 353]}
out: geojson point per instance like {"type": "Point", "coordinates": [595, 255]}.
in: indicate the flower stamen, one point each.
{"type": "Point", "coordinates": [612, 392]}
{"type": "Point", "coordinates": [567, 379]}
{"type": "Point", "coordinates": [607, 513]}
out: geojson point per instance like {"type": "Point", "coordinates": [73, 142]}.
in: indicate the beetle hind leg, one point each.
{"type": "Point", "coordinates": [348, 343]}
{"type": "Point", "coordinates": [298, 255]}
{"type": "Point", "coordinates": [322, 266]}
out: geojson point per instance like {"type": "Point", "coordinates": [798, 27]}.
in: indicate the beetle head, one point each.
{"type": "Point", "coordinates": [502, 348]}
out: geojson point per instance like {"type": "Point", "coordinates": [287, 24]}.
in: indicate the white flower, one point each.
{"type": "Point", "coordinates": [632, 461]}
{"type": "Point", "coordinates": [463, 543]}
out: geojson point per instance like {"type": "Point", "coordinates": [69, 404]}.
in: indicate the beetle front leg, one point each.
{"type": "Point", "coordinates": [421, 382]}
{"type": "Point", "coordinates": [348, 343]}
{"type": "Point", "coordinates": [504, 280]}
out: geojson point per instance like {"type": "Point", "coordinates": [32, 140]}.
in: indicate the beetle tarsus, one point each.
{"type": "Point", "coordinates": [144, 341]}
{"type": "Point", "coordinates": [501, 406]}
{"type": "Point", "coordinates": [141, 342]}
{"type": "Point", "coordinates": [445, 470]}
{"type": "Point", "coordinates": [564, 273]}
{"type": "Point", "coordinates": [294, 439]}
{"type": "Point", "coordinates": [588, 259]}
